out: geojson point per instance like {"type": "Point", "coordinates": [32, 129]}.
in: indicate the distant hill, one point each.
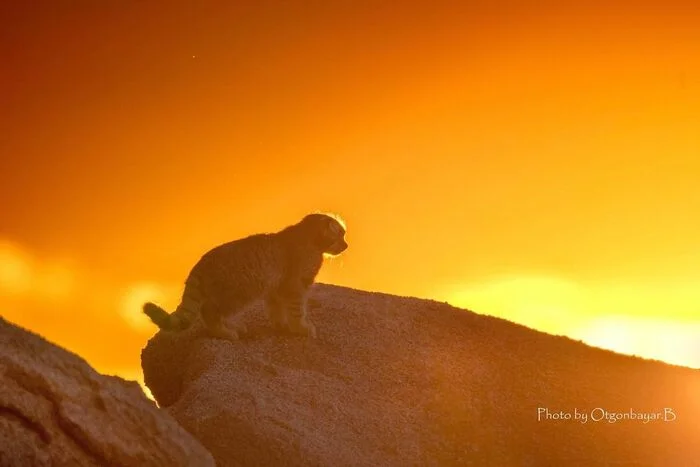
{"type": "Point", "coordinates": [394, 381]}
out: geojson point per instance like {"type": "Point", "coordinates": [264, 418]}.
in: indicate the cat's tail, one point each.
{"type": "Point", "coordinates": [167, 321]}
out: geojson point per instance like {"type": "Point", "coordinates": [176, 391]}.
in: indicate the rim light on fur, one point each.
{"type": "Point", "coordinates": [335, 216]}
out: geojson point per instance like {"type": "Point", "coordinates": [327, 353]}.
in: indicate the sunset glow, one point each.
{"type": "Point", "coordinates": [538, 163]}
{"type": "Point", "coordinates": [137, 294]}
{"type": "Point", "coordinates": [663, 325]}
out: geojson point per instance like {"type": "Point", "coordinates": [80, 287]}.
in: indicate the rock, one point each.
{"type": "Point", "coordinates": [393, 381]}
{"type": "Point", "coordinates": [55, 410]}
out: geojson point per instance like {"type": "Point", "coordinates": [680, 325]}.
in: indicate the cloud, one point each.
{"type": "Point", "coordinates": [135, 295]}
{"type": "Point", "coordinates": [659, 339]}
{"type": "Point", "coordinates": [546, 303]}
{"type": "Point", "coordinates": [654, 320]}
{"type": "Point", "coordinates": [24, 275]}
{"type": "Point", "coordinates": [79, 309]}
{"type": "Point", "coordinates": [30, 281]}
{"type": "Point", "coordinates": [16, 270]}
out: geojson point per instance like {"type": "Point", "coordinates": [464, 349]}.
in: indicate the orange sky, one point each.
{"type": "Point", "coordinates": [534, 162]}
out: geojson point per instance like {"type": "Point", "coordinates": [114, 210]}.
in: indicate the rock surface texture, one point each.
{"type": "Point", "coordinates": [394, 381]}
{"type": "Point", "coordinates": [55, 410]}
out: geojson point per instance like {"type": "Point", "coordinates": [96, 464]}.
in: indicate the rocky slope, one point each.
{"type": "Point", "coordinates": [55, 410]}
{"type": "Point", "coordinates": [395, 381]}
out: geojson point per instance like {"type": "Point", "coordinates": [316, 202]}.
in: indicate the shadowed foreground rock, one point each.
{"type": "Point", "coordinates": [394, 381]}
{"type": "Point", "coordinates": [55, 410]}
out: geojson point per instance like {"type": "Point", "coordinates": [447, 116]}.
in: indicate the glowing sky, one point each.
{"type": "Point", "coordinates": [537, 163]}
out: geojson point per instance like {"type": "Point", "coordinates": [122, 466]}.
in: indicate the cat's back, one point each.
{"type": "Point", "coordinates": [255, 263]}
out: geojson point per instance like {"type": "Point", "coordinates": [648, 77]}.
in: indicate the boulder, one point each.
{"type": "Point", "coordinates": [55, 410]}
{"type": "Point", "coordinates": [394, 381]}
